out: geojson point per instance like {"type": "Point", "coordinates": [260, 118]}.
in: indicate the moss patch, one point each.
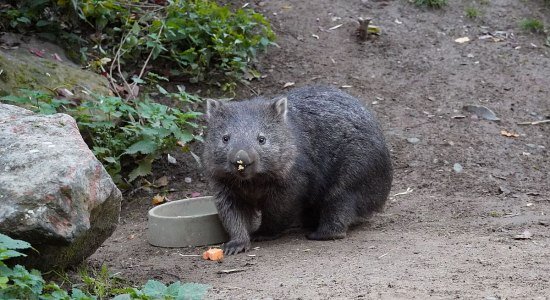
{"type": "Point", "coordinates": [22, 70]}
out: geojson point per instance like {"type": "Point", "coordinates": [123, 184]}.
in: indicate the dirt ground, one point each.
{"type": "Point", "coordinates": [471, 190]}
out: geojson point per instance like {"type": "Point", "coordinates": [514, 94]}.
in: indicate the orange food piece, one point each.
{"type": "Point", "coordinates": [214, 254]}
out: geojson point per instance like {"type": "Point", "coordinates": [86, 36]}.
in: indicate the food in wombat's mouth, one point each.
{"type": "Point", "coordinates": [240, 167]}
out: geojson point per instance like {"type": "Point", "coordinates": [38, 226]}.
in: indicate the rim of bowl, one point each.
{"type": "Point", "coordinates": [152, 211]}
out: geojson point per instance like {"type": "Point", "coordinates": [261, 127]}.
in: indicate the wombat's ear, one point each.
{"type": "Point", "coordinates": [212, 106]}
{"type": "Point", "coordinates": [280, 108]}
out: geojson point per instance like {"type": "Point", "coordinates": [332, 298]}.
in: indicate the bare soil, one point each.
{"type": "Point", "coordinates": [472, 190]}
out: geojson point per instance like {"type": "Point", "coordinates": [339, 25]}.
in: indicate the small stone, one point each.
{"type": "Point", "coordinates": [525, 235]}
{"type": "Point", "coordinates": [413, 140]}
{"type": "Point", "coordinates": [188, 180]}
{"type": "Point", "coordinates": [504, 190]}
{"type": "Point", "coordinates": [457, 167]}
{"type": "Point", "coordinates": [171, 159]}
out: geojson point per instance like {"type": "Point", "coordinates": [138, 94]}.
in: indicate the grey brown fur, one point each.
{"type": "Point", "coordinates": [316, 156]}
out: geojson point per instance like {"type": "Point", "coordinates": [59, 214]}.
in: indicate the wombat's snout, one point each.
{"type": "Point", "coordinates": [241, 159]}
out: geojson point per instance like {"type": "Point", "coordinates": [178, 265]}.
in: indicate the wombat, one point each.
{"type": "Point", "coordinates": [316, 156]}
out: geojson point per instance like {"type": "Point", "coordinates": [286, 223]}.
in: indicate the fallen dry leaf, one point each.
{"type": "Point", "coordinates": [213, 254]}
{"type": "Point", "coordinates": [57, 57]}
{"type": "Point", "coordinates": [37, 52]}
{"type": "Point", "coordinates": [462, 40]}
{"type": "Point", "coordinates": [481, 111]}
{"type": "Point", "coordinates": [63, 92]}
{"type": "Point", "coordinates": [288, 84]}
{"type": "Point", "coordinates": [160, 182]}
{"type": "Point", "coordinates": [508, 134]}
{"type": "Point", "coordinates": [158, 199]}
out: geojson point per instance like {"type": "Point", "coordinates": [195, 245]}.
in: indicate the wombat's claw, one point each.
{"type": "Point", "coordinates": [234, 247]}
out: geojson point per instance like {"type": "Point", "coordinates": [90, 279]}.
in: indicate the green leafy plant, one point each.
{"type": "Point", "coordinates": [532, 25]}
{"type": "Point", "coordinates": [196, 39]}
{"type": "Point", "coordinates": [100, 283]}
{"type": "Point", "coordinates": [472, 12]}
{"type": "Point", "coordinates": [157, 290]}
{"type": "Point", "coordinates": [19, 283]}
{"type": "Point", "coordinates": [124, 134]}
{"type": "Point", "coordinates": [431, 3]}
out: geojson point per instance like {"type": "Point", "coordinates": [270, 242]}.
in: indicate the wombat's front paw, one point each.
{"type": "Point", "coordinates": [235, 246]}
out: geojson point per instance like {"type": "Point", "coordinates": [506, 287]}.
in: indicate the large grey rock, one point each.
{"type": "Point", "coordinates": [54, 193]}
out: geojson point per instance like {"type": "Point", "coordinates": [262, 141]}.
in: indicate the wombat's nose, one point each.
{"type": "Point", "coordinates": [242, 158]}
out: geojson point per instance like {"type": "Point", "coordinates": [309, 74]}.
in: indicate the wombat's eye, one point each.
{"type": "Point", "coordinates": [225, 138]}
{"type": "Point", "coordinates": [261, 140]}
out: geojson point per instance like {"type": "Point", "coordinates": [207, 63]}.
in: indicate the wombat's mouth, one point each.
{"type": "Point", "coordinates": [244, 171]}
{"type": "Point", "coordinates": [240, 166]}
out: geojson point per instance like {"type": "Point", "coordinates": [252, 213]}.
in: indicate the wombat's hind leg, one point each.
{"type": "Point", "coordinates": [336, 215]}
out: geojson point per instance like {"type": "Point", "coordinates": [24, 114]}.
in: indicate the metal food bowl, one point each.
{"type": "Point", "coordinates": [183, 223]}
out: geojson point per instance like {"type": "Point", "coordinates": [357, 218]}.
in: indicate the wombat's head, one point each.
{"type": "Point", "coordinates": [248, 139]}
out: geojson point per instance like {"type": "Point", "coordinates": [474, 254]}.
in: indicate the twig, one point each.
{"type": "Point", "coordinates": [116, 61]}
{"type": "Point", "coordinates": [379, 257]}
{"type": "Point", "coordinates": [252, 90]}
{"type": "Point", "coordinates": [111, 68]}
{"type": "Point", "coordinates": [147, 60]}
{"type": "Point", "coordinates": [189, 255]}
{"type": "Point", "coordinates": [231, 271]}
{"type": "Point", "coordinates": [535, 122]}
{"type": "Point", "coordinates": [126, 84]}
{"type": "Point", "coordinates": [335, 27]}
{"type": "Point", "coordinates": [408, 191]}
